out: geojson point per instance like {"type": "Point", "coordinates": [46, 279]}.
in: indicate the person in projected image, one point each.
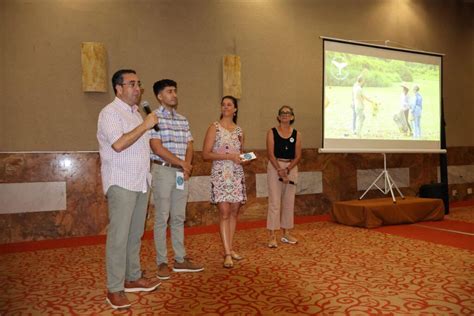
{"type": "Point", "coordinates": [405, 109]}
{"type": "Point", "coordinates": [416, 109]}
{"type": "Point", "coordinates": [223, 145]}
{"type": "Point", "coordinates": [358, 99]}
{"type": "Point", "coordinates": [284, 154]}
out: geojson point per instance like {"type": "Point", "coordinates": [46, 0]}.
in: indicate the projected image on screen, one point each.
{"type": "Point", "coordinates": [378, 99]}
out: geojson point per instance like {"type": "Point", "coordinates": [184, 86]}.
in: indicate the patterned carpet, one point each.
{"type": "Point", "coordinates": [333, 270]}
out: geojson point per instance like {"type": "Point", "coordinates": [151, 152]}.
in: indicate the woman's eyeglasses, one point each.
{"type": "Point", "coordinates": [286, 113]}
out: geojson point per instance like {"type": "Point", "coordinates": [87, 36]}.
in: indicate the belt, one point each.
{"type": "Point", "coordinates": [166, 164]}
{"type": "Point", "coordinates": [284, 160]}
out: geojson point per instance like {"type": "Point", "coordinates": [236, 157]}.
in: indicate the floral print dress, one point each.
{"type": "Point", "coordinates": [227, 177]}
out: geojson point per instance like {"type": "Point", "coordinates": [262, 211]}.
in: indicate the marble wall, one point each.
{"type": "Point", "coordinates": [59, 195]}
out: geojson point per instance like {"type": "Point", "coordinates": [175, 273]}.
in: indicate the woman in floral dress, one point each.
{"type": "Point", "coordinates": [223, 145]}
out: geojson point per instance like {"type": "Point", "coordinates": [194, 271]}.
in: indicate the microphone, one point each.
{"type": "Point", "coordinates": [290, 182]}
{"type": "Point", "coordinates": [146, 107]}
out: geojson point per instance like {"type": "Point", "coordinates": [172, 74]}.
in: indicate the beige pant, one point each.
{"type": "Point", "coordinates": [281, 198]}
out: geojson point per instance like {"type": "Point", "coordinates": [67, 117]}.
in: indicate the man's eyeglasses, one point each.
{"type": "Point", "coordinates": [286, 112]}
{"type": "Point", "coordinates": [132, 84]}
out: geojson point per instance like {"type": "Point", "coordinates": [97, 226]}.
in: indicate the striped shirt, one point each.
{"type": "Point", "coordinates": [129, 169]}
{"type": "Point", "coordinates": [174, 133]}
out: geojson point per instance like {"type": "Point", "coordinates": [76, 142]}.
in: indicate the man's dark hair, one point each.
{"type": "Point", "coordinates": [117, 78]}
{"type": "Point", "coordinates": [163, 83]}
{"type": "Point", "coordinates": [236, 105]}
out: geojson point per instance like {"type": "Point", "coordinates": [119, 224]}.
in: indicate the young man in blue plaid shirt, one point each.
{"type": "Point", "coordinates": [172, 154]}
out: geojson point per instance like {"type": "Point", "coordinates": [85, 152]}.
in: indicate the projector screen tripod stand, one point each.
{"type": "Point", "coordinates": [389, 184]}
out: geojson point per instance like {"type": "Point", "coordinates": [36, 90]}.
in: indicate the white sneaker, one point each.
{"type": "Point", "coordinates": [289, 239]}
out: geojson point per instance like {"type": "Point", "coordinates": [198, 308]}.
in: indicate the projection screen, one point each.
{"type": "Point", "coordinates": [380, 99]}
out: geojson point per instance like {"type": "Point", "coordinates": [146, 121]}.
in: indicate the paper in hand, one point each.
{"type": "Point", "coordinates": [179, 180]}
{"type": "Point", "coordinates": [248, 156]}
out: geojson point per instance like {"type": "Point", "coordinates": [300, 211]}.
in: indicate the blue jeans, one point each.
{"type": "Point", "coordinates": [416, 126]}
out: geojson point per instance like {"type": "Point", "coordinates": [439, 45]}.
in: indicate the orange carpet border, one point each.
{"type": "Point", "coordinates": [427, 231]}
{"type": "Point", "coordinates": [462, 227]}
{"type": "Point", "coordinates": [461, 203]}
{"type": "Point", "coordinates": [100, 239]}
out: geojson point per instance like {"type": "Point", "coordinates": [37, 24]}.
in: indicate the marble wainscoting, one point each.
{"type": "Point", "coordinates": [59, 195]}
{"type": "Point", "coordinates": [460, 173]}
{"type": "Point", "coordinates": [54, 178]}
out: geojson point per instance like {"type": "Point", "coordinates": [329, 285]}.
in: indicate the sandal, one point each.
{"type": "Point", "coordinates": [272, 243]}
{"type": "Point", "coordinates": [228, 263]}
{"type": "Point", "coordinates": [236, 256]}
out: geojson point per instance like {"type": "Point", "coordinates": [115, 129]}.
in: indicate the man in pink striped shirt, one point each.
{"type": "Point", "coordinates": [124, 146]}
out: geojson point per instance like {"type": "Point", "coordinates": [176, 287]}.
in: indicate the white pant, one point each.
{"type": "Point", "coordinates": [281, 198]}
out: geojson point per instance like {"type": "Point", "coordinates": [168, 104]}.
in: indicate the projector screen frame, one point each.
{"type": "Point", "coordinates": [437, 146]}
